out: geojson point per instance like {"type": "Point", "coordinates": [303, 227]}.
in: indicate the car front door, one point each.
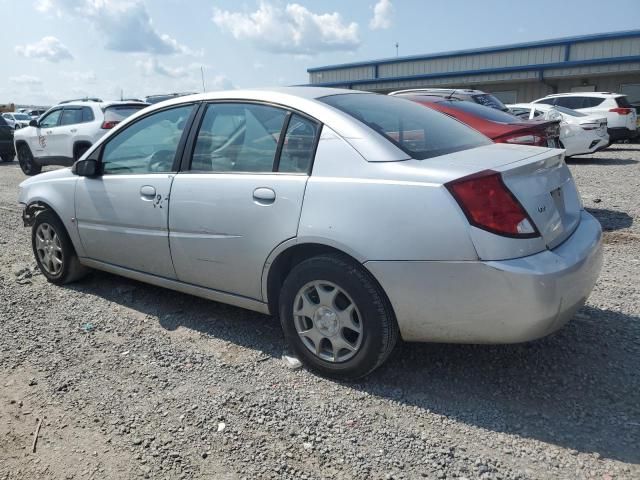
{"type": "Point", "coordinates": [241, 196]}
{"type": "Point", "coordinates": [40, 143]}
{"type": "Point", "coordinates": [122, 214]}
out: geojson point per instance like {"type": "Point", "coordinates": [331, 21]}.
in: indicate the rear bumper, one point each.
{"type": "Point", "coordinates": [621, 133]}
{"type": "Point", "coordinates": [505, 301]}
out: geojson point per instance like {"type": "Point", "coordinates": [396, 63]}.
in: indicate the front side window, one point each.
{"type": "Point", "coordinates": [298, 147]}
{"type": "Point", "coordinates": [238, 137]}
{"type": "Point", "coordinates": [71, 116]}
{"type": "Point", "coordinates": [547, 101]}
{"type": "Point", "coordinates": [51, 120]}
{"type": "Point", "coordinates": [418, 130]}
{"type": "Point", "coordinates": [148, 145]}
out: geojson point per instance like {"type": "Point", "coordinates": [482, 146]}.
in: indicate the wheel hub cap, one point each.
{"type": "Point", "coordinates": [326, 320]}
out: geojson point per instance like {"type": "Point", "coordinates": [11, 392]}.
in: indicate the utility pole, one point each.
{"type": "Point", "coordinates": [121, 94]}
{"type": "Point", "coordinates": [202, 75]}
{"type": "Point", "coordinates": [397, 45]}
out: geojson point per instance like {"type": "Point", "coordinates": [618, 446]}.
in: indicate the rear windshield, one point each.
{"type": "Point", "coordinates": [483, 112]}
{"type": "Point", "coordinates": [21, 116]}
{"type": "Point", "coordinates": [623, 102]}
{"type": "Point", "coordinates": [489, 100]}
{"type": "Point", "coordinates": [419, 131]}
{"type": "Point", "coordinates": [117, 113]}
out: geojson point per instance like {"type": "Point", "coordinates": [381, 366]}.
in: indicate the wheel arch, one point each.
{"type": "Point", "coordinates": [80, 143]}
{"type": "Point", "coordinates": [288, 254]}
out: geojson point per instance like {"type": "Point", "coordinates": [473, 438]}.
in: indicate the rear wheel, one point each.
{"type": "Point", "coordinates": [54, 251]}
{"type": "Point", "coordinates": [336, 318]}
{"type": "Point", "coordinates": [27, 162]}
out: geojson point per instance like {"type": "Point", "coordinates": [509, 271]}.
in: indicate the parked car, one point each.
{"type": "Point", "coordinates": [467, 94]}
{"type": "Point", "coordinates": [579, 133]}
{"type": "Point", "coordinates": [165, 96]}
{"type": "Point", "coordinates": [7, 153]}
{"type": "Point", "coordinates": [501, 127]}
{"type": "Point", "coordinates": [67, 130]}
{"type": "Point", "coordinates": [35, 114]}
{"type": "Point", "coordinates": [621, 116]}
{"type": "Point", "coordinates": [17, 120]}
{"type": "Point", "coordinates": [353, 216]}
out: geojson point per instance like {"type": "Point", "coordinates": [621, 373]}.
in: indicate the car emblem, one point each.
{"type": "Point", "coordinates": [542, 208]}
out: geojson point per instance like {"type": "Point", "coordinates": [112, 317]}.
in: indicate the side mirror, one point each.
{"type": "Point", "coordinates": [33, 123]}
{"type": "Point", "coordinates": [86, 168]}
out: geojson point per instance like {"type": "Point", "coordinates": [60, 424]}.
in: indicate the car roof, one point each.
{"type": "Point", "coordinates": [585, 94]}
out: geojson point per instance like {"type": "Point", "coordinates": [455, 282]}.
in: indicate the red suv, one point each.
{"type": "Point", "coordinates": [501, 127]}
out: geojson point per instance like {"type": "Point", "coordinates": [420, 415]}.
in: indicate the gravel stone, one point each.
{"type": "Point", "coordinates": [165, 385]}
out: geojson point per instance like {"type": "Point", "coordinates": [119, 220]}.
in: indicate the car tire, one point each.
{"type": "Point", "coordinates": [27, 162]}
{"type": "Point", "coordinates": [54, 252]}
{"type": "Point", "coordinates": [7, 157]}
{"type": "Point", "coordinates": [349, 328]}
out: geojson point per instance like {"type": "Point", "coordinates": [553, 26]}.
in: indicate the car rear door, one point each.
{"type": "Point", "coordinates": [241, 195]}
{"type": "Point", "coordinates": [62, 141]}
{"type": "Point", "coordinates": [122, 214]}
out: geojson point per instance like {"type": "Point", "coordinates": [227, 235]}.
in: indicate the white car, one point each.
{"type": "Point", "coordinates": [621, 116]}
{"type": "Point", "coordinates": [17, 120]}
{"type": "Point", "coordinates": [63, 133]}
{"type": "Point", "coordinates": [579, 133]}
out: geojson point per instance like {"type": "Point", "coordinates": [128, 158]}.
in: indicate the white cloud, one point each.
{"type": "Point", "coordinates": [48, 48]}
{"type": "Point", "coordinates": [292, 29]}
{"type": "Point", "coordinates": [382, 15]}
{"type": "Point", "coordinates": [26, 80]}
{"type": "Point", "coordinates": [125, 24]}
{"type": "Point", "coordinates": [219, 82]}
{"type": "Point", "coordinates": [88, 77]}
{"type": "Point", "coordinates": [151, 66]}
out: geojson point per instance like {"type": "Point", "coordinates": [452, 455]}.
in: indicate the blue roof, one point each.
{"type": "Point", "coordinates": [503, 48]}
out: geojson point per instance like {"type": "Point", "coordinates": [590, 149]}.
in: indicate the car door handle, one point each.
{"type": "Point", "coordinates": [264, 196]}
{"type": "Point", "coordinates": [147, 192]}
{"type": "Point", "coordinates": [73, 130]}
{"type": "Point", "coordinates": [49, 132]}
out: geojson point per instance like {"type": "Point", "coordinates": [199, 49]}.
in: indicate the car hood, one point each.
{"type": "Point", "coordinates": [61, 173]}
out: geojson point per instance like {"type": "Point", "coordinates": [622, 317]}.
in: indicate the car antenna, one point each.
{"type": "Point", "coordinates": [451, 94]}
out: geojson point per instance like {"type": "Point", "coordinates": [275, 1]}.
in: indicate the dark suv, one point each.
{"type": "Point", "coordinates": [7, 150]}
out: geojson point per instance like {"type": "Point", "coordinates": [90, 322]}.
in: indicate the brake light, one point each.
{"type": "Point", "coordinates": [621, 111]}
{"type": "Point", "coordinates": [489, 205]}
{"type": "Point", "coordinates": [108, 125]}
{"type": "Point", "coordinates": [523, 139]}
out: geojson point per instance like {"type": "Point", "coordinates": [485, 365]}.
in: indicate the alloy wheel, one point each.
{"type": "Point", "coordinates": [328, 321]}
{"type": "Point", "coordinates": [49, 249]}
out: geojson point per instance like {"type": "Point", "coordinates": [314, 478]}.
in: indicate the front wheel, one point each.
{"type": "Point", "coordinates": [336, 318]}
{"type": "Point", "coordinates": [54, 252]}
{"type": "Point", "coordinates": [27, 162]}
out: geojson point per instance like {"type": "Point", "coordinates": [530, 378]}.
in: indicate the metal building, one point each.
{"type": "Point", "coordinates": [515, 73]}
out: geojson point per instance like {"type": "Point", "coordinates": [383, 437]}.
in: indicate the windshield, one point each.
{"type": "Point", "coordinates": [489, 100]}
{"type": "Point", "coordinates": [21, 116]}
{"type": "Point", "coordinates": [487, 113]}
{"type": "Point", "coordinates": [420, 132]}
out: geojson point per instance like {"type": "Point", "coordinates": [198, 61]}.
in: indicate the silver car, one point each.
{"type": "Point", "coordinates": [352, 216]}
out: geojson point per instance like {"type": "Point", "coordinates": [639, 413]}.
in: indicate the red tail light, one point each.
{"type": "Point", "coordinates": [523, 138]}
{"type": "Point", "coordinates": [108, 125]}
{"type": "Point", "coordinates": [488, 204]}
{"type": "Point", "coordinates": [621, 111]}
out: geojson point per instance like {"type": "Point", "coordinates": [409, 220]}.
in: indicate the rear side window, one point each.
{"type": "Point", "coordinates": [590, 102]}
{"type": "Point", "coordinates": [238, 137]}
{"type": "Point", "coordinates": [623, 102]}
{"type": "Point", "coordinates": [87, 115]}
{"type": "Point", "coordinates": [298, 147]}
{"type": "Point", "coordinates": [481, 111]}
{"type": "Point", "coordinates": [489, 100]}
{"type": "Point", "coordinates": [71, 116]}
{"type": "Point", "coordinates": [570, 102]}
{"type": "Point", "coordinates": [418, 130]}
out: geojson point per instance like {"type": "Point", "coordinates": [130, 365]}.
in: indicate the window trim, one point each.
{"type": "Point", "coordinates": [175, 168]}
{"type": "Point", "coordinates": [187, 155]}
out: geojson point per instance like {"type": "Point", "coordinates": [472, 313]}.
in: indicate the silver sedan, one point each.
{"type": "Point", "coordinates": [354, 217]}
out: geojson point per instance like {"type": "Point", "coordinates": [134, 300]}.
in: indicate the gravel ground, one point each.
{"type": "Point", "coordinates": [133, 381]}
